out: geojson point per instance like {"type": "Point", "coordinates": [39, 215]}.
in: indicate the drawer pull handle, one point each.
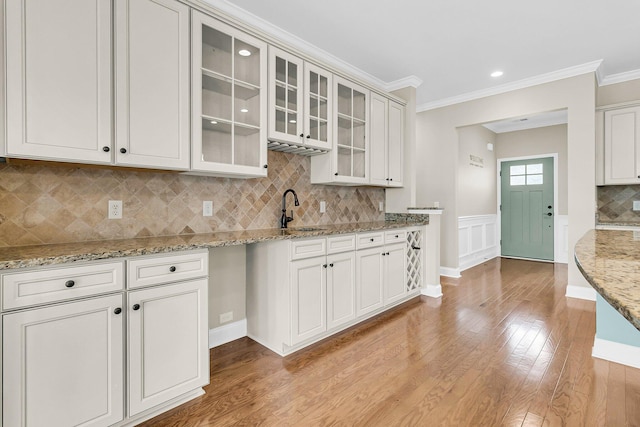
{"type": "Point", "coordinates": [172, 268]}
{"type": "Point", "coordinates": [117, 310]}
{"type": "Point", "coordinates": [69, 283]}
{"type": "Point", "coordinates": [371, 239]}
{"type": "Point", "coordinates": [136, 307]}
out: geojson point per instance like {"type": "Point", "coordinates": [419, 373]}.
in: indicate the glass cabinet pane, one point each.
{"type": "Point", "coordinates": [246, 105]}
{"type": "Point", "coordinates": [292, 99]}
{"type": "Point", "coordinates": [344, 100]}
{"type": "Point", "coordinates": [358, 134]}
{"type": "Point", "coordinates": [246, 146]}
{"type": "Point", "coordinates": [281, 70]}
{"type": "Point", "coordinates": [293, 74]}
{"type": "Point", "coordinates": [358, 163]}
{"type": "Point", "coordinates": [216, 141]}
{"type": "Point", "coordinates": [216, 97]}
{"type": "Point", "coordinates": [313, 129]}
{"type": "Point", "coordinates": [323, 90]}
{"type": "Point", "coordinates": [359, 105]}
{"type": "Point", "coordinates": [247, 63]}
{"type": "Point", "coordinates": [216, 51]}
{"type": "Point", "coordinates": [344, 132]}
{"type": "Point", "coordinates": [281, 121]}
{"type": "Point", "coordinates": [292, 121]}
{"type": "Point", "coordinates": [344, 161]}
{"type": "Point", "coordinates": [313, 83]}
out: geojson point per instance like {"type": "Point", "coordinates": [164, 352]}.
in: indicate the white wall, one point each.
{"type": "Point", "coordinates": [476, 179]}
{"type": "Point", "coordinates": [437, 153]}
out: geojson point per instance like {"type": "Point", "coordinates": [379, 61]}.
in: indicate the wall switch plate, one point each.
{"type": "Point", "coordinates": [115, 209]}
{"type": "Point", "coordinates": [636, 205]}
{"type": "Point", "coordinates": [226, 317]}
{"type": "Point", "coordinates": [207, 208]}
{"type": "Point", "coordinates": [323, 206]}
{"type": "Point", "coordinates": [381, 206]}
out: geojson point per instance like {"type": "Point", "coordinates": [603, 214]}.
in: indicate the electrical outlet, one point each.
{"type": "Point", "coordinates": [226, 317]}
{"type": "Point", "coordinates": [636, 205]}
{"type": "Point", "coordinates": [323, 206]}
{"type": "Point", "coordinates": [207, 208]}
{"type": "Point", "coordinates": [381, 206]}
{"type": "Point", "coordinates": [115, 209]}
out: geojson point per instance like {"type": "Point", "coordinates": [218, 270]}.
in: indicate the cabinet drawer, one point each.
{"type": "Point", "coordinates": [161, 269]}
{"type": "Point", "coordinates": [370, 240]}
{"type": "Point", "coordinates": [58, 284]}
{"type": "Point", "coordinates": [337, 244]}
{"type": "Point", "coordinates": [395, 236]}
{"type": "Point", "coordinates": [308, 248]}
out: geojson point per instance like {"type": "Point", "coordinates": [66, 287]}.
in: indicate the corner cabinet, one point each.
{"type": "Point", "coordinates": [622, 146]}
{"type": "Point", "coordinates": [58, 80]}
{"type": "Point", "coordinates": [348, 161]}
{"type": "Point", "coordinates": [299, 101]}
{"type": "Point", "coordinates": [387, 142]}
{"type": "Point", "coordinates": [229, 111]}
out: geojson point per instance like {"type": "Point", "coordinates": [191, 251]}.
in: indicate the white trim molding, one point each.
{"type": "Point", "coordinates": [409, 81]}
{"type": "Point", "coordinates": [619, 78]}
{"type": "Point", "coordinates": [581, 292]}
{"type": "Point", "coordinates": [589, 67]}
{"type": "Point", "coordinates": [450, 272]}
{"type": "Point", "coordinates": [624, 354]}
{"type": "Point", "coordinates": [561, 239]}
{"type": "Point", "coordinates": [433, 291]}
{"type": "Point", "coordinates": [227, 333]}
{"type": "Point", "coordinates": [477, 240]}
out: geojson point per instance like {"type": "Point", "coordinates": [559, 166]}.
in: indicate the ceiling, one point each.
{"type": "Point", "coordinates": [453, 45]}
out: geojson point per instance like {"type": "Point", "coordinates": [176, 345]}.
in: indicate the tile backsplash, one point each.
{"type": "Point", "coordinates": [51, 204]}
{"type": "Point", "coordinates": [615, 204]}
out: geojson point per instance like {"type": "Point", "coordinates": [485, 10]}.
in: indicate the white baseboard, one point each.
{"type": "Point", "coordinates": [450, 272]}
{"type": "Point", "coordinates": [581, 292]}
{"type": "Point", "coordinates": [227, 333]}
{"type": "Point", "coordinates": [433, 291]}
{"type": "Point", "coordinates": [624, 354]}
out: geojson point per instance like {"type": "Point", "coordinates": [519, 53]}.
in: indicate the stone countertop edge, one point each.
{"type": "Point", "coordinates": [610, 261]}
{"type": "Point", "coordinates": [15, 257]}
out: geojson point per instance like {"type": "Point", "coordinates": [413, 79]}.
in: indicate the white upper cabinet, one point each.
{"type": "Point", "coordinates": [622, 146]}
{"type": "Point", "coordinates": [152, 84]}
{"type": "Point", "coordinates": [58, 80]}
{"type": "Point", "coordinates": [229, 99]}
{"type": "Point", "coordinates": [299, 101]}
{"type": "Point", "coordinates": [348, 161]}
{"type": "Point", "coordinates": [387, 142]}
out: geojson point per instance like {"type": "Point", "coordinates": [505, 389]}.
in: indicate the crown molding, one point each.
{"type": "Point", "coordinates": [286, 40]}
{"type": "Point", "coordinates": [409, 81]}
{"type": "Point", "coordinates": [553, 118]}
{"type": "Point", "coordinates": [589, 67]}
{"type": "Point", "coordinates": [620, 77]}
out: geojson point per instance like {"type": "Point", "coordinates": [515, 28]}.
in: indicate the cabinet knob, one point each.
{"type": "Point", "coordinates": [302, 135]}
{"type": "Point", "coordinates": [324, 265]}
{"type": "Point", "coordinates": [69, 283]}
{"type": "Point", "coordinates": [331, 265]}
{"type": "Point", "coordinates": [136, 307]}
{"type": "Point", "coordinates": [397, 236]}
{"type": "Point", "coordinates": [383, 254]}
{"type": "Point", "coordinates": [390, 179]}
{"type": "Point", "coordinates": [172, 268]}
{"type": "Point", "coordinates": [336, 174]}
{"type": "Point", "coordinates": [123, 150]}
{"type": "Point", "coordinates": [265, 166]}
{"type": "Point", "coordinates": [106, 150]}
{"type": "Point", "coordinates": [387, 253]}
{"type": "Point", "coordinates": [371, 239]}
{"type": "Point", "coordinates": [308, 136]}
{"type": "Point", "coordinates": [117, 310]}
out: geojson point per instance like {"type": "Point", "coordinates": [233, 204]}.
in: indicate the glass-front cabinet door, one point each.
{"type": "Point", "coordinates": [229, 100]}
{"type": "Point", "coordinates": [317, 106]}
{"type": "Point", "coordinates": [351, 143]}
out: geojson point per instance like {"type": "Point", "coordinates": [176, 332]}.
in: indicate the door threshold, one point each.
{"type": "Point", "coordinates": [550, 261]}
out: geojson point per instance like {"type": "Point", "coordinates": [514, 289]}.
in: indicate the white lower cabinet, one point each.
{"type": "Point", "coordinates": [341, 289]}
{"type": "Point", "coordinates": [167, 341]}
{"type": "Point", "coordinates": [63, 364]}
{"type": "Point", "coordinates": [308, 298]}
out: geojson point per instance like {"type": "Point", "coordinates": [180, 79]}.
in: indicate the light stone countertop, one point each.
{"type": "Point", "coordinates": [39, 255]}
{"type": "Point", "coordinates": [610, 261]}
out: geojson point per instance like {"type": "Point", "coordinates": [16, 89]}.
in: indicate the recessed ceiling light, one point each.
{"type": "Point", "coordinates": [497, 73]}
{"type": "Point", "coordinates": [244, 52]}
{"type": "Point", "coordinates": [213, 122]}
{"type": "Point", "coordinates": [244, 110]}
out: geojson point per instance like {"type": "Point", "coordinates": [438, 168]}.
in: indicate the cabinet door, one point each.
{"type": "Point", "coordinates": [341, 289]}
{"type": "Point", "coordinates": [59, 80]}
{"type": "Point", "coordinates": [63, 365]}
{"type": "Point", "coordinates": [308, 299]}
{"type": "Point", "coordinates": [168, 349]}
{"type": "Point", "coordinates": [285, 97]}
{"type": "Point", "coordinates": [622, 146]}
{"type": "Point", "coordinates": [152, 84]}
{"type": "Point", "coordinates": [395, 268]}
{"type": "Point", "coordinates": [379, 137]}
{"type": "Point", "coordinates": [318, 107]}
{"type": "Point", "coordinates": [369, 280]}
{"type": "Point", "coordinates": [229, 100]}
{"type": "Point", "coordinates": [395, 147]}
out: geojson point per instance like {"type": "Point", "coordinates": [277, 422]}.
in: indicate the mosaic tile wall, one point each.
{"type": "Point", "coordinates": [615, 203]}
{"type": "Point", "coordinates": [50, 204]}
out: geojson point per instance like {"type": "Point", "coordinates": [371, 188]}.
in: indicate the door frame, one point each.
{"type": "Point", "coordinates": [555, 198]}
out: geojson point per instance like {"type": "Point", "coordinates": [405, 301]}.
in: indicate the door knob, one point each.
{"type": "Point", "coordinates": [549, 214]}
{"type": "Point", "coordinates": [549, 207]}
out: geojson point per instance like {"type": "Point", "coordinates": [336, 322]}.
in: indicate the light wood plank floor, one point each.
{"type": "Point", "coordinates": [503, 346]}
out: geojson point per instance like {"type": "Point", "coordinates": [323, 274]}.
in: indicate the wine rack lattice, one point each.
{"type": "Point", "coordinates": [414, 260]}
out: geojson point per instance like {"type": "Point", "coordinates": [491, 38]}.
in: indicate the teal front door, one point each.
{"type": "Point", "coordinates": [527, 208]}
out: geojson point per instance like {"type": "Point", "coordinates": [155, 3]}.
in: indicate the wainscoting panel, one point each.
{"type": "Point", "coordinates": [477, 237]}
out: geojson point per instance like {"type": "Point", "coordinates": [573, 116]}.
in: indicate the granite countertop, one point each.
{"type": "Point", "coordinates": [38, 255]}
{"type": "Point", "coordinates": [610, 261]}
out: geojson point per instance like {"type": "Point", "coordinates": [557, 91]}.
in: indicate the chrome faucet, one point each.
{"type": "Point", "coordinates": [284, 220]}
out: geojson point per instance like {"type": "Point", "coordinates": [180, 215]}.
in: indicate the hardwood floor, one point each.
{"type": "Point", "coordinates": [503, 346]}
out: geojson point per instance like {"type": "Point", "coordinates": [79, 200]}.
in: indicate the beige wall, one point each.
{"type": "Point", "coordinates": [476, 184]}
{"type": "Point", "coordinates": [437, 151]}
{"type": "Point", "coordinates": [530, 142]}
{"type": "Point", "coordinates": [227, 283]}
{"type": "Point", "coordinates": [619, 93]}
